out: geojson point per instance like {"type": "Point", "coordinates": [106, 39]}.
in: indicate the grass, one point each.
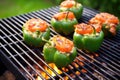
{"type": "Point", "coordinates": [15, 7]}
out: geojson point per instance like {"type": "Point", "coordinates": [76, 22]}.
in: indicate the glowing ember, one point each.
{"type": "Point", "coordinates": [65, 69]}
{"type": "Point", "coordinates": [96, 55]}
{"type": "Point", "coordinates": [81, 58]}
{"type": "Point", "coordinates": [66, 78]}
{"type": "Point", "coordinates": [81, 63]}
{"type": "Point", "coordinates": [77, 72]}
{"type": "Point", "coordinates": [78, 62]}
{"type": "Point", "coordinates": [76, 65]}
{"type": "Point", "coordinates": [84, 71]}
{"type": "Point", "coordinates": [92, 56]}
{"type": "Point", "coordinates": [71, 67]}
{"type": "Point", "coordinates": [72, 75]}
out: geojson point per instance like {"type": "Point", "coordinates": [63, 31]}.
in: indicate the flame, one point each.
{"type": "Point", "coordinates": [38, 78]}
{"type": "Point", "coordinates": [77, 63]}
{"type": "Point", "coordinates": [55, 68]}
{"type": "Point", "coordinates": [52, 65]}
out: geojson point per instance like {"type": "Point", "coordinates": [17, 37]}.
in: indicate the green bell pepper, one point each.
{"type": "Point", "coordinates": [33, 35]}
{"type": "Point", "coordinates": [110, 23]}
{"type": "Point", "coordinates": [89, 40]}
{"type": "Point", "coordinates": [72, 6]}
{"type": "Point", "coordinates": [60, 51]}
{"type": "Point", "coordinates": [110, 31]}
{"type": "Point", "coordinates": [65, 24]}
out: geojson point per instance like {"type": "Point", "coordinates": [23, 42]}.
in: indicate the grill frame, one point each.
{"type": "Point", "coordinates": [12, 38]}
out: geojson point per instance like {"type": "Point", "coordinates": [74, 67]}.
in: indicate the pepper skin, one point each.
{"type": "Point", "coordinates": [34, 30]}
{"type": "Point", "coordinates": [64, 22]}
{"type": "Point", "coordinates": [73, 6]}
{"type": "Point", "coordinates": [60, 51]}
{"type": "Point", "coordinates": [110, 24]}
{"type": "Point", "coordinates": [86, 38]}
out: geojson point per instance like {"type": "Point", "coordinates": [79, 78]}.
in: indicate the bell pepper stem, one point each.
{"type": "Point", "coordinates": [94, 31]}
{"type": "Point", "coordinates": [75, 3]}
{"type": "Point", "coordinates": [67, 15]}
{"type": "Point", "coordinates": [38, 32]}
{"type": "Point", "coordinates": [47, 41]}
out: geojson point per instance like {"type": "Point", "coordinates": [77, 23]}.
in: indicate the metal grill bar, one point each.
{"type": "Point", "coordinates": [36, 14]}
{"type": "Point", "coordinates": [56, 73]}
{"type": "Point", "coordinates": [113, 56]}
{"type": "Point", "coordinates": [33, 60]}
{"type": "Point", "coordinates": [35, 17]}
{"type": "Point", "coordinates": [40, 52]}
{"type": "Point", "coordinates": [106, 46]}
{"type": "Point", "coordinates": [106, 65]}
{"type": "Point", "coordinates": [115, 63]}
{"type": "Point", "coordinates": [85, 69]}
{"type": "Point", "coordinates": [20, 55]}
{"type": "Point", "coordinates": [99, 68]}
{"type": "Point", "coordinates": [56, 10]}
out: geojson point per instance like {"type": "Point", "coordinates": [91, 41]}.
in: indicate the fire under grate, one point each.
{"type": "Point", "coordinates": [27, 62]}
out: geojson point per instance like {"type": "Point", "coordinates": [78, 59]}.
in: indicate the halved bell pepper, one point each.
{"type": "Point", "coordinates": [110, 24]}
{"type": "Point", "coordinates": [73, 6]}
{"type": "Point", "coordinates": [88, 37]}
{"type": "Point", "coordinates": [64, 22]}
{"type": "Point", "coordinates": [34, 30]}
{"type": "Point", "coordinates": [60, 51]}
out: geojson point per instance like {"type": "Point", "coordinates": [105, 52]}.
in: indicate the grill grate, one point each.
{"type": "Point", "coordinates": [17, 55]}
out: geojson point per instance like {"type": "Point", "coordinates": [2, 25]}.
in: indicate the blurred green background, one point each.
{"type": "Point", "coordinates": [15, 7]}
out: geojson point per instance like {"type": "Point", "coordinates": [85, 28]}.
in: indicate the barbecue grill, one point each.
{"type": "Point", "coordinates": [27, 62]}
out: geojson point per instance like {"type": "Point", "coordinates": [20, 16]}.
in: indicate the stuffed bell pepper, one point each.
{"type": "Point", "coordinates": [110, 24]}
{"type": "Point", "coordinates": [60, 51]}
{"type": "Point", "coordinates": [64, 22]}
{"type": "Point", "coordinates": [34, 30]}
{"type": "Point", "coordinates": [88, 37]}
{"type": "Point", "coordinates": [73, 6]}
